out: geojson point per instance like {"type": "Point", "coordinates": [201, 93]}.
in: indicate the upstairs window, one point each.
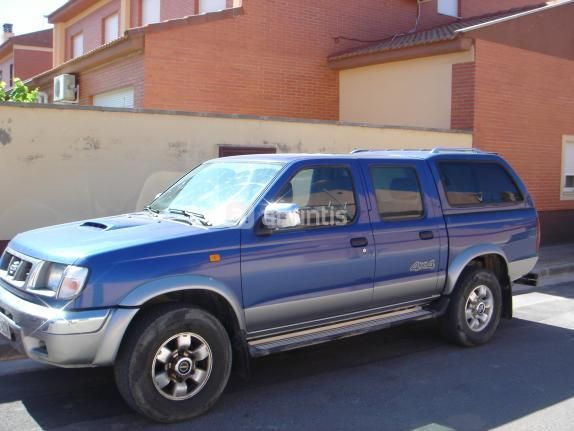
{"type": "Point", "coordinates": [448, 7]}
{"type": "Point", "coordinates": [568, 167]}
{"type": "Point", "coordinates": [77, 45]}
{"type": "Point", "coordinates": [478, 184]}
{"type": "Point", "coordinates": [11, 77]}
{"type": "Point", "coordinates": [211, 5]}
{"type": "Point", "coordinates": [111, 28]}
{"type": "Point", "coordinates": [151, 11]}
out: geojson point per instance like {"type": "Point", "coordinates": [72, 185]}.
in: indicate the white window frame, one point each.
{"type": "Point", "coordinates": [77, 45]}
{"type": "Point", "coordinates": [111, 28]}
{"type": "Point", "coordinates": [206, 6]}
{"type": "Point", "coordinates": [449, 7]}
{"type": "Point", "coordinates": [567, 193]}
{"type": "Point", "coordinates": [151, 11]}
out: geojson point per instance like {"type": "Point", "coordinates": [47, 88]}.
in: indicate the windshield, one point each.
{"type": "Point", "coordinates": [217, 193]}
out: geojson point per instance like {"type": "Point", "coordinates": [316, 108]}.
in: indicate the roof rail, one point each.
{"type": "Point", "coordinates": [360, 150]}
{"type": "Point", "coordinates": [457, 150]}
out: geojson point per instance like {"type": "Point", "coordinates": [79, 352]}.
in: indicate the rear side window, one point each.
{"type": "Point", "coordinates": [398, 192]}
{"type": "Point", "coordinates": [478, 183]}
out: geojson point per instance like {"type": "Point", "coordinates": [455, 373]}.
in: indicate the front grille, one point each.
{"type": "Point", "coordinates": [16, 268]}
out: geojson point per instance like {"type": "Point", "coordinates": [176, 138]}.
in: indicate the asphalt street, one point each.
{"type": "Point", "coordinates": [400, 379]}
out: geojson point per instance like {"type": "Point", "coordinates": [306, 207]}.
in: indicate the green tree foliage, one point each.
{"type": "Point", "coordinates": [19, 93]}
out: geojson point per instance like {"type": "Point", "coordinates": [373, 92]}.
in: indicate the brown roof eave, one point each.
{"type": "Point", "coordinates": [427, 50]}
{"type": "Point", "coordinates": [68, 10]}
{"type": "Point", "coordinates": [189, 20]}
{"type": "Point", "coordinates": [120, 48]}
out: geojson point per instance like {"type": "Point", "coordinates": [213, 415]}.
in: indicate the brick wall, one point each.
{"type": "Point", "coordinates": [28, 63]}
{"type": "Point", "coordinates": [470, 8]}
{"type": "Point", "coordinates": [92, 28]}
{"type": "Point", "coordinates": [272, 59]}
{"type": "Point", "coordinates": [524, 105]}
{"type": "Point", "coordinates": [125, 73]}
{"type": "Point", "coordinates": [462, 107]}
{"type": "Point", "coordinates": [171, 9]}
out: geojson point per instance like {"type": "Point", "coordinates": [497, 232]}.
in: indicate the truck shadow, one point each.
{"type": "Point", "coordinates": [403, 378]}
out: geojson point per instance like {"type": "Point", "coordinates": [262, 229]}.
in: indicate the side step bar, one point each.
{"type": "Point", "coordinates": [295, 340]}
{"type": "Point", "coordinates": [530, 279]}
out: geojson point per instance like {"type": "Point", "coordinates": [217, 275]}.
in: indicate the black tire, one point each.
{"type": "Point", "coordinates": [454, 323]}
{"type": "Point", "coordinates": [135, 362]}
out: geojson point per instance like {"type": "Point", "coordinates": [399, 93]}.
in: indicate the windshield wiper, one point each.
{"type": "Point", "coordinates": [151, 210]}
{"type": "Point", "coordinates": [192, 215]}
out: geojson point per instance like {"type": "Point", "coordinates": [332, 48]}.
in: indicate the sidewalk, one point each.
{"type": "Point", "coordinates": [556, 264]}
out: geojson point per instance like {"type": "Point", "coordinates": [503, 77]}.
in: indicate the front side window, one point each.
{"type": "Point", "coordinates": [218, 193]}
{"type": "Point", "coordinates": [325, 196]}
{"type": "Point", "coordinates": [478, 183]}
{"type": "Point", "coordinates": [398, 192]}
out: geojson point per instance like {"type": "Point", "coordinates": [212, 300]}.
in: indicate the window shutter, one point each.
{"type": "Point", "coordinates": [111, 28]}
{"type": "Point", "coordinates": [78, 45]}
{"type": "Point", "coordinates": [448, 7]}
{"type": "Point", "coordinates": [122, 98]}
{"type": "Point", "coordinates": [569, 158]}
{"type": "Point", "coordinates": [151, 12]}
{"type": "Point", "coordinates": [211, 5]}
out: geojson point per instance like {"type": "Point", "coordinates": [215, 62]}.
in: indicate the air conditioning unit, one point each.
{"type": "Point", "coordinates": [65, 88]}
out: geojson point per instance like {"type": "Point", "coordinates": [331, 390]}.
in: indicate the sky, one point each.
{"type": "Point", "coordinates": [27, 15]}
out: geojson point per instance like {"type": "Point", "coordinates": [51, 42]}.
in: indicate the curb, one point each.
{"type": "Point", "coordinates": [555, 270]}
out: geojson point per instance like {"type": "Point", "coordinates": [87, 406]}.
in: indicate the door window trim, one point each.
{"type": "Point", "coordinates": [413, 166]}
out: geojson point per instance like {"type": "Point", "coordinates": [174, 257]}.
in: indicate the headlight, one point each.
{"type": "Point", "coordinates": [65, 281]}
{"type": "Point", "coordinates": [54, 276]}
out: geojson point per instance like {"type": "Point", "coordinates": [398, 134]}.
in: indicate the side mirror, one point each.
{"type": "Point", "coordinates": [281, 216]}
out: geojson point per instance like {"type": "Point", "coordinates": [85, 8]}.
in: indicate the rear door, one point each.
{"type": "Point", "coordinates": [409, 231]}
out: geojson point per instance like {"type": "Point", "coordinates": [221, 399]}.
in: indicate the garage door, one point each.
{"type": "Point", "coordinates": [122, 98]}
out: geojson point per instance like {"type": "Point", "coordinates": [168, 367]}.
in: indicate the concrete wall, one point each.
{"type": "Point", "coordinates": [414, 92]}
{"type": "Point", "coordinates": [60, 164]}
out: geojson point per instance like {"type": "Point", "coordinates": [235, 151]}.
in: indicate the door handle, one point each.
{"type": "Point", "coordinates": [426, 235]}
{"type": "Point", "coordinates": [359, 242]}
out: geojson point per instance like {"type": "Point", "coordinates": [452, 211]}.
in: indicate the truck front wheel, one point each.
{"type": "Point", "coordinates": [474, 311]}
{"type": "Point", "coordinates": [174, 363]}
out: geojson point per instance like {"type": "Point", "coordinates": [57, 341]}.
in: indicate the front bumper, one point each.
{"type": "Point", "coordinates": [64, 338]}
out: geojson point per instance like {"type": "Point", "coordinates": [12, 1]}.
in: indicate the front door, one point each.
{"type": "Point", "coordinates": [409, 230]}
{"type": "Point", "coordinates": [320, 269]}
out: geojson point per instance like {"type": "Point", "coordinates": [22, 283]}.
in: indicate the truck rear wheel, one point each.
{"type": "Point", "coordinates": [174, 363]}
{"type": "Point", "coordinates": [474, 311]}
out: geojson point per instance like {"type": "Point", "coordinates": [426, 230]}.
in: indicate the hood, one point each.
{"type": "Point", "coordinates": [71, 242]}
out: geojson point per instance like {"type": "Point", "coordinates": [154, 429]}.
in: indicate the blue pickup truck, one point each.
{"type": "Point", "coordinates": [252, 255]}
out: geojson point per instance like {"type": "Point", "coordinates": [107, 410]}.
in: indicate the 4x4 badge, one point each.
{"type": "Point", "coordinates": [425, 265]}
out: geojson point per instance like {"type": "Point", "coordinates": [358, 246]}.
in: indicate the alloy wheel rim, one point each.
{"type": "Point", "coordinates": [182, 366]}
{"type": "Point", "coordinates": [479, 308]}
